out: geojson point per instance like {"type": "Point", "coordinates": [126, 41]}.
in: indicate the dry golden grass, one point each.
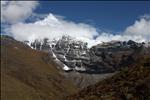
{"type": "Point", "coordinates": [28, 74]}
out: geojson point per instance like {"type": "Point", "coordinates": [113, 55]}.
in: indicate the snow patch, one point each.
{"type": "Point", "coordinates": [53, 55]}
{"type": "Point", "coordinates": [84, 52]}
{"type": "Point", "coordinates": [65, 58]}
{"type": "Point", "coordinates": [66, 68]}
{"type": "Point", "coordinates": [80, 68]}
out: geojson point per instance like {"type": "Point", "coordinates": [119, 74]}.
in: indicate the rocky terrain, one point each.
{"type": "Point", "coordinates": [86, 66]}
{"type": "Point", "coordinates": [45, 70]}
{"type": "Point", "coordinates": [106, 57]}
{"type": "Point", "coordinates": [131, 83]}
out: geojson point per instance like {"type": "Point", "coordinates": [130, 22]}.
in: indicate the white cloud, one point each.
{"type": "Point", "coordinates": [54, 27]}
{"type": "Point", "coordinates": [106, 37]}
{"type": "Point", "coordinates": [139, 32]}
{"type": "Point", "coordinates": [15, 11]}
{"type": "Point", "coordinates": [140, 28]}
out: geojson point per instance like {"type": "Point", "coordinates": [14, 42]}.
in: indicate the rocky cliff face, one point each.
{"type": "Point", "coordinates": [106, 57]}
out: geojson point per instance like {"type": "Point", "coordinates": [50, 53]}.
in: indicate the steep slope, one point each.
{"type": "Point", "coordinates": [27, 74]}
{"type": "Point", "coordinates": [86, 66]}
{"type": "Point", "coordinates": [131, 83]}
{"type": "Point", "coordinates": [106, 57]}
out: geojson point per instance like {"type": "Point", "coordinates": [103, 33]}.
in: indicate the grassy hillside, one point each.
{"type": "Point", "coordinates": [28, 74]}
{"type": "Point", "coordinates": [131, 83]}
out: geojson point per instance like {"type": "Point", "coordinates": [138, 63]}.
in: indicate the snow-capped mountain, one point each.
{"type": "Point", "coordinates": [51, 20]}
{"type": "Point", "coordinates": [72, 54]}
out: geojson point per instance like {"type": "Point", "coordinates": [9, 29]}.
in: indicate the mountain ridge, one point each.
{"type": "Point", "coordinates": [28, 74]}
{"type": "Point", "coordinates": [76, 56]}
{"type": "Point", "coordinates": [131, 83]}
{"type": "Point", "coordinates": [43, 63]}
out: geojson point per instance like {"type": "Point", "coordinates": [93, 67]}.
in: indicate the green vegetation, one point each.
{"type": "Point", "coordinates": [132, 83]}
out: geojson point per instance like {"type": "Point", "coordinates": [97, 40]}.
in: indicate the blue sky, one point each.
{"type": "Point", "coordinates": [112, 16]}
{"type": "Point", "coordinates": [89, 21]}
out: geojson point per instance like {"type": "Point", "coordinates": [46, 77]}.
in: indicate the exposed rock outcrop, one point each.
{"type": "Point", "coordinates": [106, 57]}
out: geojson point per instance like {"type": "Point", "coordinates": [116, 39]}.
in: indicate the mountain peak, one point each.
{"type": "Point", "coordinates": [75, 55]}
{"type": "Point", "coordinates": [52, 17]}
{"type": "Point", "coordinates": [50, 20]}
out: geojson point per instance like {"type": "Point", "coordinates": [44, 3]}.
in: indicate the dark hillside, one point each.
{"type": "Point", "coordinates": [27, 74]}
{"type": "Point", "coordinates": [131, 83]}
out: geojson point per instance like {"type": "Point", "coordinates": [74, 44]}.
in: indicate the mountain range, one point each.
{"type": "Point", "coordinates": [68, 69]}
{"type": "Point", "coordinates": [106, 57]}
